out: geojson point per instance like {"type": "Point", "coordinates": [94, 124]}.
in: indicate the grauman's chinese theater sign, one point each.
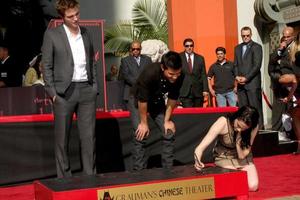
{"type": "Point", "coordinates": [193, 189]}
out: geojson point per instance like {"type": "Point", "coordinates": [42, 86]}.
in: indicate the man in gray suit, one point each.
{"type": "Point", "coordinates": [70, 80]}
{"type": "Point", "coordinates": [131, 67]}
{"type": "Point", "coordinates": [247, 61]}
{"type": "Point", "coordinates": [195, 86]}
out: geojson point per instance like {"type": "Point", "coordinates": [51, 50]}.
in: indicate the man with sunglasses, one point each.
{"type": "Point", "coordinates": [131, 67]}
{"type": "Point", "coordinates": [247, 60]}
{"type": "Point", "coordinates": [195, 85]}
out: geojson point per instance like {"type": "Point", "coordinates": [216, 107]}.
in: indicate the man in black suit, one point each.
{"type": "Point", "coordinates": [10, 75]}
{"type": "Point", "coordinates": [195, 85]}
{"type": "Point", "coordinates": [131, 67]}
{"type": "Point", "coordinates": [247, 61]}
{"type": "Point", "coordinates": [70, 81]}
{"type": "Point", "coordinates": [280, 91]}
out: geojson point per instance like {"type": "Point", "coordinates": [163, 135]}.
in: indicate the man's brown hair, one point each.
{"type": "Point", "coordinates": [63, 5]}
{"type": "Point", "coordinates": [246, 28]}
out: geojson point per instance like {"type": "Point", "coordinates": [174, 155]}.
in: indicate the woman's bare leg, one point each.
{"type": "Point", "coordinates": [252, 177]}
{"type": "Point", "coordinates": [288, 80]}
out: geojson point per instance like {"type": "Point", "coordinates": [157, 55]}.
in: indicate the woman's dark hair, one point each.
{"type": "Point", "coordinates": [250, 116]}
{"type": "Point", "coordinates": [171, 60]}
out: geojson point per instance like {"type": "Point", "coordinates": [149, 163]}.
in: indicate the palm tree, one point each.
{"type": "Point", "coordinates": [149, 21]}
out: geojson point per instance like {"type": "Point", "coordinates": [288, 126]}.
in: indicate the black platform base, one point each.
{"type": "Point", "coordinates": [267, 143]}
{"type": "Point", "coordinates": [182, 182]}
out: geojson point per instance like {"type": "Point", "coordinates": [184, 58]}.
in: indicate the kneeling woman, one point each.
{"type": "Point", "coordinates": [236, 134]}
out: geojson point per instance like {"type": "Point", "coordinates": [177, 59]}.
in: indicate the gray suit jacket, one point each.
{"type": "Point", "coordinates": [58, 63]}
{"type": "Point", "coordinates": [249, 65]}
{"type": "Point", "coordinates": [195, 81]}
{"type": "Point", "coordinates": [129, 71]}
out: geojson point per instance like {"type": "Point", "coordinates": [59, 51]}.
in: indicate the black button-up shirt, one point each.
{"type": "Point", "coordinates": [152, 87]}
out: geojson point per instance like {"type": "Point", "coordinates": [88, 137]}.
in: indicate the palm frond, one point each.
{"type": "Point", "coordinates": [149, 22]}
{"type": "Point", "coordinates": [149, 13]}
{"type": "Point", "coordinates": [119, 37]}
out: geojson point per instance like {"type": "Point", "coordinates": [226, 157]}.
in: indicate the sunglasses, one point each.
{"type": "Point", "coordinates": [245, 36]}
{"type": "Point", "coordinates": [136, 49]}
{"type": "Point", "coordinates": [189, 45]}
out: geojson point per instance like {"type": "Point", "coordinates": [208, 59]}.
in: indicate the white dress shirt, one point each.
{"type": "Point", "coordinates": [79, 57]}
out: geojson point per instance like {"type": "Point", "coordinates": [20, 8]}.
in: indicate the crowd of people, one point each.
{"type": "Point", "coordinates": [12, 76]}
{"type": "Point", "coordinates": [66, 68]}
{"type": "Point", "coordinates": [235, 133]}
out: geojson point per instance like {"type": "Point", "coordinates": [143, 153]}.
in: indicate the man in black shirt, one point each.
{"type": "Point", "coordinates": [224, 87]}
{"type": "Point", "coordinates": [155, 92]}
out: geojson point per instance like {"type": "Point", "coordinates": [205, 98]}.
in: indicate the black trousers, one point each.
{"type": "Point", "coordinates": [278, 107]}
{"type": "Point", "coordinates": [80, 98]}
{"type": "Point", "coordinates": [138, 147]}
{"type": "Point", "coordinates": [253, 98]}
{"type": "Point", "coordinates": [192, 100]}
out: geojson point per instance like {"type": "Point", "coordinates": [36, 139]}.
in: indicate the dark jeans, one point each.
{"type": "Point", "coordinates": [138, 152]}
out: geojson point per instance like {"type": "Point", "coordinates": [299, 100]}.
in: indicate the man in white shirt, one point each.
{"type": "Point", "coordinates": [70, 80]}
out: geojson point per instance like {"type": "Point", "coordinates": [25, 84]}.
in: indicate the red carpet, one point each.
{"type": "Point", "coordinates": [279, 177]}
